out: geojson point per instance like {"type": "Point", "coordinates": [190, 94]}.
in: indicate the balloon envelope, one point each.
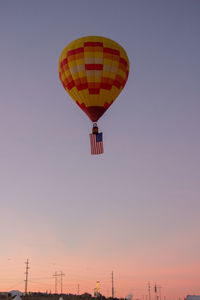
{"type": "Point", "coordinates": [93, 70]}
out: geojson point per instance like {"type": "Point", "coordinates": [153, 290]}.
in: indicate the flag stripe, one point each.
{"type": "Point", "coordinates": [96, 147]}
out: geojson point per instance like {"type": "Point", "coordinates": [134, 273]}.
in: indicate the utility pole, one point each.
{"type": "Point", "coordinates": [112, 285]}
{"type": "Point", "coordinates": [159, 287]}
{"type": "Point", "coordinates": [78, 289]}
{"type": "Point", "coordinates": [156, 297]}
{"type": "Point", "coordinates": [26, 273]}
{"type": "Point", "coordinates": [61, 281]}
{"type": "Point", "coordinates": [149, 289]}
{"type": "Point", "coordinates": [55, 275]}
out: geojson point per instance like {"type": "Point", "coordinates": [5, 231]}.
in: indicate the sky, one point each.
{"type": "Point", "coordinates": [133, 210]}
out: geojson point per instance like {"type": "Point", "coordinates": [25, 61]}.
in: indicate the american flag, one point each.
{"type": "Point", "coordinates": [96, 141]}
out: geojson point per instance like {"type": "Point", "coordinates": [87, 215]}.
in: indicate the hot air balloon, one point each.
{"type": "Point", "coordinates": [94, 70]}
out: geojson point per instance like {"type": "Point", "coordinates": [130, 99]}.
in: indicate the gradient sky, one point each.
{"type": "Point", "coordinates": [135, 209]}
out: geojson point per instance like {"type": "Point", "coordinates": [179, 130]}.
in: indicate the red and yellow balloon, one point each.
{"type": "Point", "coordinates": [93, 70]}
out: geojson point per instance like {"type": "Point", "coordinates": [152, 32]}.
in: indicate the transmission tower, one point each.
{"type": "Point", "coordinates": [149, 289]}
{"type": "Point", "coordinates": [26, 273]}
{"type": "Point", "coordinates": [61, 281]}
{"type": "Point", "coordinates": [55, 275]}
{"type": "Point", "coordinates": [113, 294]}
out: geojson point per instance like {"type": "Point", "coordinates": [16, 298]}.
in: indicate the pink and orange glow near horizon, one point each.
{"type": "Point", "coordinates": [135, 209]}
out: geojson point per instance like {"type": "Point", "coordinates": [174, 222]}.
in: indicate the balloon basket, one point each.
{"type": "Point", "coordinates": [96, 141]}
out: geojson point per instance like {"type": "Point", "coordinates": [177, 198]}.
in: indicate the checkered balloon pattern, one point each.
{"type": "Point", "coordinates": [93, 70]}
